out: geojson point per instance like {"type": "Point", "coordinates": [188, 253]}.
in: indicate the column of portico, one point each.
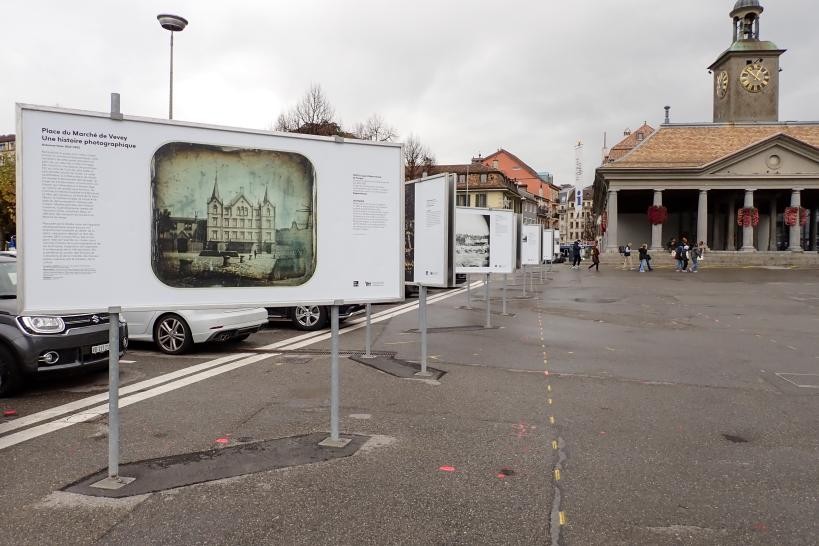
{"type": "Point", "coordinates": [730, 243]}
{"type": "Point", "coordinates": [657, 231]}
{"type": "Point", "coordinates": [702, 218]}
{"type": "Point", "coordinates": [612, 243]}
{"type": "Point", "coordinates": [748, 231]}
{"type": "Point", "coordinates": [812, 230]}
{"type": "Point", "coordinates": [796, 230]}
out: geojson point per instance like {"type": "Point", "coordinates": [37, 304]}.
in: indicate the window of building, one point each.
{"type": "Point", "coordinates": [480, 199]}
{"type": "Point", "coordinates": [242, 222]}
{"type": "Point", "coordinates": [483, 179]}
{"type": "Point", "coordinates": [462, 179]}
{"type": "Point", "coordinates": [460, 200]}
{"type": "Point", "coordinates": [494, 163]}
{"type": "Point", "coordinates": [214, 234]}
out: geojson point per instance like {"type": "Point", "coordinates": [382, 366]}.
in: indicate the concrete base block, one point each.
{"type": "Point", "coordinates": [117, 482]}
{"type": "Point", "coordinates": [336, 444]}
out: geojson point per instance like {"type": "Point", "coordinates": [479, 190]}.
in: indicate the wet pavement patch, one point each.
{"type": "Point", "coordinates": [216, 464]}
{"type": "Point", "coordinates": [397, 367]}
{"type": "Point", "coordinates": [735, 438]}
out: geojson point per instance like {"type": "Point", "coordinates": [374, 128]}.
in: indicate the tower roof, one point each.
{"type": "Point", "coordinates": [741, 4]}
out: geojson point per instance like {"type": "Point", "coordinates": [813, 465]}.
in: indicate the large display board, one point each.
{"type": "Point", "coordinates": [429, 217]}
{"type": "Point", "coordinates": [557, 242]}
{"type": "Point", "coordinates": [485, 240]}
{"type": "Point", "coordinates": [549, 245]}
{"type": "Point", "coordinates": [530, 245]}
{"type": "Point", "coordinates": [155, 214]}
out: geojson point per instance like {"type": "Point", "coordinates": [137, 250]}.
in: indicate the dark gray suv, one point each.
{"type": "Point", "coordinates": [46, 345]}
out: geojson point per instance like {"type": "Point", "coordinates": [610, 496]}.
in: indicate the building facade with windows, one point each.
{"type": "Point", "coordinates": [481, 186]}
{"type": "Point", "coordinates": [239, 224]}
{"type": "Point", "coordinates": [7, 146]}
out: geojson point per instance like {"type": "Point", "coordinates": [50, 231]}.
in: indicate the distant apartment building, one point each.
{"type": "Point", "coordinates": [7, 146]}
{"type": "Point", "coordinates": [576, 221]}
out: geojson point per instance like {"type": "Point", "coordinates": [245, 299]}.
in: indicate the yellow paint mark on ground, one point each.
{"type": "Point", "coordinates": [562, 518]}
{"type": "Point", "coordinates": [552, 419]}
{"type": "Point", "coordinates": [550, 401]}
{"type": "Point", "coordinates": [557, 474]}
{"type": "Point", "coordinates": [549, 387]}
{"type": "Point", "coordinates": [554, 444]}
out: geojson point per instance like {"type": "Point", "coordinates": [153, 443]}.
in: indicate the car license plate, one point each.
{"type": "Point", "coordinates": [97, 349]}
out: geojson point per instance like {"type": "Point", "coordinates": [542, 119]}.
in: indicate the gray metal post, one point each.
{"type": "Point", "coordinates": [504, 294]}
{"type": "Point", "coordinates": [369, 342]}
{"type": "Point", "coordinates": [334, 374]}
{"type": "Point", "coordinates": [113, 392]}
{"type": "Point", "coordinates": [334, 440]}
{"type": "Point", "coordinates": [523, 269]}
{"type": "Point", "coordinates": [541, 272]}
{"type": "Point", "coordinates": [170, 97]}
{"type": "Point", "coordinates": [468, 292]}
{"type": "Point", "coordinates": [488, 305]}
{"type": "Point", "coordinates": [422, 316]}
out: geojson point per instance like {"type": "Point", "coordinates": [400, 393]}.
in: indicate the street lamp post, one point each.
{"type": "Point", "coordinates": [173, 23]}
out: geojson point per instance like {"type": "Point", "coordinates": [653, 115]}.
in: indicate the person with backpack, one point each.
{"type": "Point", "coordinates": [696, 255]}
{"type": "Point", "coordinates": [678, 256]}
{"type": "Point", "coordinates": [627, 262]}
{"type": "Point", "coordinates": [685, 255]}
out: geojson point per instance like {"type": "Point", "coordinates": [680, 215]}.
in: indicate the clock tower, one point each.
{"type": "Point", "coordinates": [746, 76]}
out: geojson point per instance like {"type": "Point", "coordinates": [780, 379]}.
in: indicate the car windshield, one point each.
{"type": "Point", "coordinates": [8, 280]}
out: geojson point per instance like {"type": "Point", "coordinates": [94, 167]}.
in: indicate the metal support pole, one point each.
{"type": "Point", "coordinates": [422, 319]}
{"type": "Point", "coordinates": [504, 295]}
{"type": "Point", "coordinates": [523, 269]}
{"type": "Point", "coordinates": [334, 440]}
{"type": "Point", "coordinates": [369, 342]}
{"type": "Point", "coordinates": [488, 305]}
{"type": "Point", "coordinates": [541, 272]}
{"type": "Point", "coordinates": [334, 374]}
{"type": "Point", "coordinates": [468, 293]}
{"type": "Point", "coordinates": [113, 392]}
{"type": "Point", "coordinates": [170, 98]}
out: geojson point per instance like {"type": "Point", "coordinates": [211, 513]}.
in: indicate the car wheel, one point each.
{"type": "Point", "coordinates": [10, 379]}
{"type": "Point", "coordinates": [309, 317]}
{"type": "Point", "coordinates": [172, 335]}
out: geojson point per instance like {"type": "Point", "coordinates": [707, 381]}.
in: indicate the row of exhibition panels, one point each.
{"type": "Point", "coordinates": [443, 240]}
{"type": "Point", "coordinates": [118, 211]}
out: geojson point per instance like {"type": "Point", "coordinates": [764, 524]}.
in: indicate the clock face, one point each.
{"type": "Point", "coordinates": [722, 84]}
{"type": "Point", "coordinates": [755, 77]}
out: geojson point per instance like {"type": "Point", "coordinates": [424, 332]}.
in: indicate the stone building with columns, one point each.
{"type": "Point", "coordinates": [746, 183]}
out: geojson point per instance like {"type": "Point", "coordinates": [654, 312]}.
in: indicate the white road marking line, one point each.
{"type": "Point", "coordinates": [97, 398]}
{"type": "Point", "coordinates": [127, 361]}
{"type": "Point", "coordinates": [93, 413]}
{"type": "Point", "coordinates": [166, 384]}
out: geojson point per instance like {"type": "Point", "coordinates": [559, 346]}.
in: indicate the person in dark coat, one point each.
{"type": "Point", "coordinates": [576, 255]}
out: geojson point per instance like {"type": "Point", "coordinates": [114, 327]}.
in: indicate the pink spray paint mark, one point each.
{"type": "Point", "coordinates": [446, 468]}
{"type": "Point", "coordinates": [222, 440]}
{"type": "Point", "coordinates": [760, 527]}
{"type": "Point", "coordinates": [9, 413]}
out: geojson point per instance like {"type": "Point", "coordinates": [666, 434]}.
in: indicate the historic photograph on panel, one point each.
{"type": "Point", "coordinates": [472, 241]}
{"type": "Point", "coordinates": [232, 217]}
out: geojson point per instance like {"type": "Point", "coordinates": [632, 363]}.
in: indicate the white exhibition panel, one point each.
{"type": "Point", "coordinates": [530, 246]}
{"type": "Point", "coordinates": [548, 244]}
{"type": "Point", "coordinates": [485, 240]}
{"type": "Point", "coordinates": [155, 214]}
{"type": "Point", "coordinates": [557, 242]}
{"type": "Point", "coordinates": [430, 240]}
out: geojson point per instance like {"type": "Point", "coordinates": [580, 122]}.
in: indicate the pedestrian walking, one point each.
{"type": "Point", "coordinates": [696, 256]}
{"type": "Point", "coordinates": [643, 255]}
{"type": "Point", "coordinates": [595, 254]}
{"type": "Point", "coordinates": [627, 262]}
{"type": "Point", "coordinates": [678, 256]}
{"type": "Point", "coordinates": [576, 255]}
{"type": "Point", "coordinates": [685, 255]}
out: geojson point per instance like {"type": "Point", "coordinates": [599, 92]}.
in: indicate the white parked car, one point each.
{"type": "Point", "coordinates": [174, 332]}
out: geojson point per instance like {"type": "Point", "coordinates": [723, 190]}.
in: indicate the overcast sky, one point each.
{"type": "Point", "coordinates": [466, 76]}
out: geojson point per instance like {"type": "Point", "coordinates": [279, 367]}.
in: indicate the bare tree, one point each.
{"type": "Point", "coordinates": [416, 156]}
{"type": "Point", "coordinates": [375, 128]}
{"type": "Point", "coordinates": [313, 114]}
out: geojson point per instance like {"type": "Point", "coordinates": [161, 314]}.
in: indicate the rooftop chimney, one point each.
{"type": "Point", "coordinates": [667, 115]}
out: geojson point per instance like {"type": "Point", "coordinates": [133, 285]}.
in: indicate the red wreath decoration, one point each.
{"type": "Point", "coordinates": [796, 215]}
{"type": "Point", "coordinates": [748, 217]}
{"type": "Point", "coordinates": [657, 215]}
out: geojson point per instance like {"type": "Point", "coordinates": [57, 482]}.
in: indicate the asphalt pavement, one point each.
{"type": "Point", "coordinates": [608, 408]}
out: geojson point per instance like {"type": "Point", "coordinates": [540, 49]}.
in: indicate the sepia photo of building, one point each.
{"type": "Point", "coordinates": [232, 217]}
